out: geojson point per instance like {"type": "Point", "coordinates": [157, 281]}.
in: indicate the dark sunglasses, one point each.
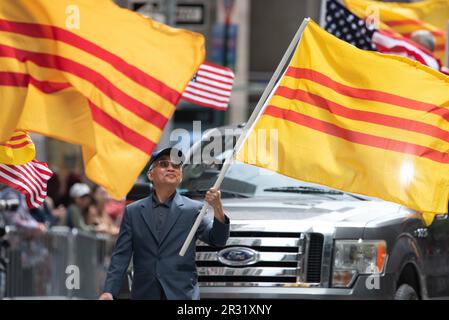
{"type": "Point", "coordinates": [165, 163]}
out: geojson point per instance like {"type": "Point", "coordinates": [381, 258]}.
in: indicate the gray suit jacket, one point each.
{"type": "Point", "coordinates": [158, 259]}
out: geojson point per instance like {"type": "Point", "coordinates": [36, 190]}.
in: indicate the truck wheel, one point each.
{"type": "Point", "coordinates": [406, 292]}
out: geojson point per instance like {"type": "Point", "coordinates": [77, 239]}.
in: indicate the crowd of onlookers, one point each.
{"type": "Point", "coordinates": [92, 209]}
{"type": "Point", "coordinates": [77, 203]}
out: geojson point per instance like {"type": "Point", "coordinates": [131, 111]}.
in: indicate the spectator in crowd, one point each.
{"type": "Point", "coordinates": [77, 210]}
{"type": "Point", "coordinates": [92, 218]}
{"type": "Point", "coordinates": [49, 215]}
{"type": "Point", "coordinates": [111, 210]}
{"type": "Point", "coordinates": [52, 212]}
{"type": "Point", "coordinates": [115, 209]}
{"type": "Point", "coordinates": [97, 214]}
{"type": "Point", "coordinates": [20, 218]}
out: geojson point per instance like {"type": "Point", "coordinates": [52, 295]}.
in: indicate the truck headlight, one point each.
{"type": "Point", "coordinates": [354, 257]}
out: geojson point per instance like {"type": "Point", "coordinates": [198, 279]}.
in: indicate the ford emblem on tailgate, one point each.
{"type": "Point", "coordinates": [238, 256]}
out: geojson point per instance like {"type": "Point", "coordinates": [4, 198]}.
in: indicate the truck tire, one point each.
{"type": "Point", "coordinates": [406, 292]}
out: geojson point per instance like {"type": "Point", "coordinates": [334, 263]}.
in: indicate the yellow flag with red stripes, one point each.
{"type": "Point", "coordinates": [358, 121]}
{"type": "Point", "coordinates": [19, 149]}
{"type": "Point", "coordinates": [94, 74]}
{"type": "Point", "coordinates": [405, 18]}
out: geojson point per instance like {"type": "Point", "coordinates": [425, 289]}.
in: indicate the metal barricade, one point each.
{"type": "Point", "coordinates": [62, 263]}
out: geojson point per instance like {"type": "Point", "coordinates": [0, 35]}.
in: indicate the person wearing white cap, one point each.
{"type": "Point", "coordinates": [81, 199]}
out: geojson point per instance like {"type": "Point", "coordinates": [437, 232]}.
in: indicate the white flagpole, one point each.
{"type": "Point", "coordinates": [248, 128]}
{"type": "Point", "coordinates": [323, 10]}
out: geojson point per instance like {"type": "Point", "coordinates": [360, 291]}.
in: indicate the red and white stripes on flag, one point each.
{"type": "Point", "coordinates": [386, 42]}
{"type": "Point", "coordinates": [211, 86]}
{"type": "Point", "coordinates": [30, 179]}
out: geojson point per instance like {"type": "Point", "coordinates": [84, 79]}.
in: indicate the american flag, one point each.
{"type": "Point", "coordinates": [346, 26]}
{"type": "Point", "coordinates": [30, 179]}
{"type": "Point", "coordinates": [211, 86]}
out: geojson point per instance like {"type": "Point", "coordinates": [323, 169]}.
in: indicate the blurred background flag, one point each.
{"type": "Point", "coordinates": [94, 74]}
{"type": "Point", "coordinates": [359, 121]}
{"type": "Point", "coordinates": [211, 86]}
{"type": "Point", "coordinates": [406, 18]}
{"type": "Point", "coordinates": [348, 27]}
{"type": "Point", "coordinates": [30, 179]}
{"type": "Point", "coordinates": [19, 149]}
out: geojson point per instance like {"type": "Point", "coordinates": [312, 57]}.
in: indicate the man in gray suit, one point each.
{"type": "Point", "coordinates": [153, 231]}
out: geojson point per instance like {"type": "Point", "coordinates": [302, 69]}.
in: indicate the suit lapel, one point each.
{"type": "Point", "coordinates": [174, 214]}
{"type": "Point", "coordinates": [146, 211]}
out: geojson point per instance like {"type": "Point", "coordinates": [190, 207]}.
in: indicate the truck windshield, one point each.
{"type": "Point", "coordinates": [242, 180]}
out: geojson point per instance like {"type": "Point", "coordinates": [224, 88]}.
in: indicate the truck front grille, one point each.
{"type": "Point", "coordinates": [282, 258]}
{"type": "Point", "coordinates": [314, 257]}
